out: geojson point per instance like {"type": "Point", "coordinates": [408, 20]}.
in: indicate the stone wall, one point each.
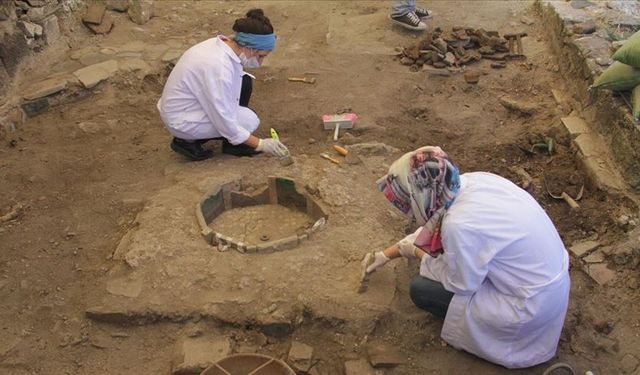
{"type": "Point", "coordinates": [581, 58]}
{"type": "Point", "coordinates": [27, 26]}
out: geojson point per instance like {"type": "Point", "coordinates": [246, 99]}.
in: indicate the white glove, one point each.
{"type": "Point", "coordinates": [407, 247]}
{"type": "Point", "coordinates": [379, 260]}
{"type": "Point", "coordinates": [272, 147]}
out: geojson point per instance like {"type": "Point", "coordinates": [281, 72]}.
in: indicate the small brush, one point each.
{"type": "Point", "coordinates": [284, 160]}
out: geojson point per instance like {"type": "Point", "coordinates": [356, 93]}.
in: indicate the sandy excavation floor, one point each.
{"type": "Point", "coordinates": [84, 188]}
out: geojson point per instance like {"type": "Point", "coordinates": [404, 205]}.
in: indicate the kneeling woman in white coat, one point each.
{"type": "Point", "coordinates": [207, 93]}
{"type": "Point", "coordinates": [491, 261]}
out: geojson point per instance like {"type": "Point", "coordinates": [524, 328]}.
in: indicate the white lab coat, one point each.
{"type": "Point", "coordinates": [508, 268]}
{"type": "Point", "coordinates": [200, 98]}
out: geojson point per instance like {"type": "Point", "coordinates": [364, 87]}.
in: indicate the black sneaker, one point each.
{"type": "Point", "coordinates": [423, 13]}
{"type": "Point", "coordinates": [410, 21]}
{"type": "Point", "coordinates": [190, 150]}
{"type": "Point", "coordinates": [238, 150]}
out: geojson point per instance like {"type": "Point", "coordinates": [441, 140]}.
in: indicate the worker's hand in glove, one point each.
{"type": "Point", "coordinates": [379, 260]}
{"type": "Point", "coordinates": [272, 147]}
{"type": "Point", "coordinates": [406, 246]}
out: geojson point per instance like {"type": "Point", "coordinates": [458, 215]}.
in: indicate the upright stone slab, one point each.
{"type": "Point", "coordinates": [13, 49]}
{"type": "Point", "coordinates": [51, 29]}
{"type": "Point", "coordinates": [141, 11]}
{"type": "Point", "coordinates": [196, 354]}
{"type": "Point", "coordinates": [117, 5]}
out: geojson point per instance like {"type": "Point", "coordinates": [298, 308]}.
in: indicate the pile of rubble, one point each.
{"type": "Point", "coordinates": [36, 19]}
{"type": "Point", "coordinates": [462, 46]}
{"type": "Point", "coordinates": [100, 21]}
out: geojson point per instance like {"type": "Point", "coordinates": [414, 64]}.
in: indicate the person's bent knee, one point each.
{"type": "Point", "coordinates": [416, 289]}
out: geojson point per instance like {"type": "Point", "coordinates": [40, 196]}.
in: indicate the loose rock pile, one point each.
{"type": "Point", "coordinates": [35, 19]}
{"type": "Point", "coordinates": [100, 21]}
{"type": "Point", "coordinates": [460, 46]}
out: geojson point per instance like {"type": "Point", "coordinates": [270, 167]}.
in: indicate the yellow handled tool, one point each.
{"type": "Point", "coordinates": [333, 160]}
{"type": "Point", "coordinates": [274, 134]}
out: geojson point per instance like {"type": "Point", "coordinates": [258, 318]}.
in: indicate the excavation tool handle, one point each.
{"type": "Point", "coordinates": [340, 150]}
{"type": "Point", "coordinates": [274, 135]}
{"type": "Point", "coordinates": [570, 201]}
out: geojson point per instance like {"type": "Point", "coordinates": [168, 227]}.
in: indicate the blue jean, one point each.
{"type": "Point", "coordinates": [402, 7]}
{"type": "Point", "coordinates": [430, 295]}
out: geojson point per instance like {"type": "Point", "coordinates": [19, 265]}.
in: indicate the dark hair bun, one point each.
{"type": "Point", "coordinates": [256, 13]}
{"type": "Point", "coordinates": [255, 22]}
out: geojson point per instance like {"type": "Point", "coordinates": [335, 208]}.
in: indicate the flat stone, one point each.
{"type": "Point", "coordinates": [593, 46]}
{"type": "Point", "coordinates": [372, 149]}
{"type": "Point", "coordinates": [602, 174]}
{"type": "Point", "coordinates": [382, 355]}
{"type": "Point", "coordinates": [77, 54]}
{"type": "Point", "coordinates": [94, 74]}
{"type": "Point", "coordinates": [358, 367]}
{"type": "Point", "coordinates": [600, 273]}
{"type": "Point", "coordinates": [141, 11]}
{"type": "Point", "coordinates": [124, 287]}
{"type": "Point", "coordinates": [567, 13]}
{"type": "Point", "coordinates": [155, 51]}
{"type": "Point", "coordinates": [590, 145]}
{"type": "Point", "coordinates": [117, 5]}
{"type": "Point", "coordinates": [94, 14]}
{"type": "Point", "coordinates": [134, 65]}
{"type": "Point", "coordinates": [35, 14]}
{"type": "Point", "coordinates": [134, 46]}
{"type": "Point", "coordinates": [37, 3]}
{"type": "Point", "coordinates": [30, 30]}
{"type": "Point", "coordinates": [51, 29]}
{"type": "Point", "coordinates": [527, 20]}
{"type": "Point", "coordinates": [583, 248]}
{"type": "Point", "coordinates": [92, 58]}
{"type": "Point", "coordinates": [35, 107]}
{"type": "Point", "coordinates": [516, 106]}
{"type": "Point", "coordinates": [595, 257]}
{"type": "Point", "coordinates": [575, 126]}
{"type": "Point", "coordinates": [300, 356]}
{"type": "Point", "coordinates": [588, 27]}
{"type": "Point", "coordinates": [196, 354]}
{"type": "Point", "coordinates": [628, 363]}
{"type": "Point", "coordinates": [104, 27]}
{"type": "Point", "coordinates": [45, 88]}
{"type": "Point", "coordinates": [172, 56]}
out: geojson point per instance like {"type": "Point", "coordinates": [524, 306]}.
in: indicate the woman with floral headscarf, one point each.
{"type": "Point", "coordinates": [491, 261]}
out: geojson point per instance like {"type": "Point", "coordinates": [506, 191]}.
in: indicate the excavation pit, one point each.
{"type": "Point", "coordinates": [277, 217]}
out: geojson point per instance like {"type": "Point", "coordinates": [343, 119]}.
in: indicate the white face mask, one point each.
{"type": "Point", "coordinates": [249, 62]}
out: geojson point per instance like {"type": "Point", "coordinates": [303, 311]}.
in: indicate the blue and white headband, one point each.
{"type": "Point", "coordinates": [265, 42]}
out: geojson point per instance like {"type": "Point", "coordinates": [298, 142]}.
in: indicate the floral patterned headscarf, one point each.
{"type": "Point", "coordinates": [423, 184]}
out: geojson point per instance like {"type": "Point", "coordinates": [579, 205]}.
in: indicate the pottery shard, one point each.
{"type": "Point", "coordinates": [383, 355]}
{"type": "Point", "coordinates": [486, 50]}
{"type": "Point", "coordinates": [441, 45]}
{"type": "Point", "coordinates": [472, 77]}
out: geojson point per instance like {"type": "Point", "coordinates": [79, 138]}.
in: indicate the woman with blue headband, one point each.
{"type": "Point", "coordinates": [492, 264]}
{"type": "Point", "coordinates": [207, 93]}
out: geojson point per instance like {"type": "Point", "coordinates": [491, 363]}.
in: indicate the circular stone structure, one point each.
{"type": "Point", "coordinates": [277, 217]}
{"type": "Point", "coordinates": [249, 364]}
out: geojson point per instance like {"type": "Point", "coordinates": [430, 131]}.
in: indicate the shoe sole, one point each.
{"type": "Point", "coordinates": [408, 27]}
{"type": "Point", "coordinates": [187, 155]}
